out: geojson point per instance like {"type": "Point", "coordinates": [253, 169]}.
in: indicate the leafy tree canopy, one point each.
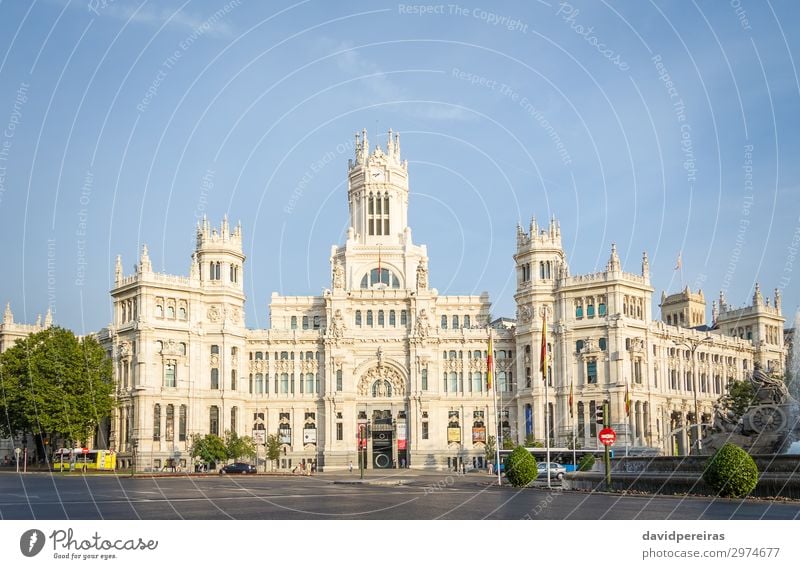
{"type": "Point", "coordinates": [52, 383]}
{"type": "Point", "coordinates": [208, 448]}
{"type": "Point", "coordinates": [239, 447]}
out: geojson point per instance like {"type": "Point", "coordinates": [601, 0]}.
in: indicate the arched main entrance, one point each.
{"type": "Point", "coordinates": [382, 439]}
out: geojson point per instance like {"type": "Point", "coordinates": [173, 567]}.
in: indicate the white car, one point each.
{"type": "Point", "coordinates": [557, 470]}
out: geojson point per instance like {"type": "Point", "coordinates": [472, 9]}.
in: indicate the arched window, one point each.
{"type": "Point", "coordinates": [358, 318]}
{"type": "Point", "coordinates": [159, 311]}
{"type": "Point", "coordinates": [453, 382]}
{"type": "Point", "coordinates": [182, 313]}
{"type": "Point", "coordinates": [424, 379]}
{"type": "Point", "coordinates": [213, 420]}
{"type": "Point", "coordinates": [444, 322]}
{"type": "Point", "coordinates": [284, 385]}
{"type": "Point", "coordinates": [369, 318]}
{"type": "Point", "coordinates": [214, 378]}
{"type": "Point", "coordinates": [579, 346]}
{"type": "Point", "coordinates": [455, 321]}
{"type": "Point", "coordinates": [381, 388]}
{"type": "Point", "coordinates": [381, 321]}
{"type": "Point", "coordinates": [603, 343]}
{"type": "Point", "coordinates": [466, 321]}
{"type": "Point", "coordinates": [392, 318]}
{"type": "Point", "coordinates": [234, 419]}
{"type": "Point", "coordinates": [170, 426]}
{"type": "Point", "coordinates": [156, 422]}
{"type": "Point", "coordinates": [182, 423]}
{"type": "Point", "coordinates": [170, 311]}
{"type": "Point", "coordinates": [310, 383]}
{"type": "Point", "coordinates": [403, 318]}
{"type": "Point", "coordinates": [383, 279]}
{"type": "Point", "coordinates": [339, 380]}
{"type": "Point", "coordinates": [305, 322]}
{"type": "Point", "coordinates": [259, 383]}
{"type": "Point", "coordinates": [294, 323]}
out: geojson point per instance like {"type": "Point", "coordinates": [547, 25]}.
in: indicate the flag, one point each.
{"type": "Point", "coordinates": [627, 401]}
{"type": "Point", "coordinates": [489, 363]}
{"type": "Point", "coordinates": [570, 400]}
{"type": "Point", "coordinates": [543, 351]}
{"type": "Point", "coordinates": [679, 263]}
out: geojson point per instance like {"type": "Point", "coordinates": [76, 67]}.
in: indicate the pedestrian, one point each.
{"type": "Point", "coordinates": [351, 467]}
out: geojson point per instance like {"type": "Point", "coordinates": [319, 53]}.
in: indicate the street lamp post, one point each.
{"type": "Point", "coordinates": [693, 344]}
{"type": "Point", "coordinates": [134, 444]}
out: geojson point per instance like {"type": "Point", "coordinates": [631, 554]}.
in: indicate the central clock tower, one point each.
{"type": "Point", "coordinates": [378, 192]}
{"type": "Point", "coordinates": [379, 252]}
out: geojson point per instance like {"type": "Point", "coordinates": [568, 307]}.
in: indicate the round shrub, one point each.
{"type": "Point", "coordinates": [731, 472]}
{"type": "Point", "coordinates": [520, 467]}
{"type": "Point", "coordinates": [586, 463]}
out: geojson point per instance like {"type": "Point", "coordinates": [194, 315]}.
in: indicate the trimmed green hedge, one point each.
{"type": "Point", "coordinates": [731, 472]}
{"type": "Point", "coordinates": [520, 467]}
{"type": "Point", "coordinates": [586, 463]}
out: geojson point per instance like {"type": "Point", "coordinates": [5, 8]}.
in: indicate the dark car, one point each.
{"type": "Point", "coordinates": [238, 468]}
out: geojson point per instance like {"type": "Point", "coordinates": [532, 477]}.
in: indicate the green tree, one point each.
{"type": "Point", "coordinates": [508, 444]}
{"type": "Point", "coordinates": [491, 448]}
{"type": "Point", "coordinates": [209, 448]}
{"type": "Point", "coordinates": [273, 449]}
{"type": "Point", "coordinates": [53, 384]}
{"type": "Point", "coordinates": [238, 447]}
{"type": "Point", "coordinates": [520, 467]}
{"type": "Point", "coordinates": [739, 397]}
{"type": "Point", "coordinates": [586, 463]}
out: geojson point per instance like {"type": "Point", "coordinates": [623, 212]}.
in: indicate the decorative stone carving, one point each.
{"type": "Point", "coordinates": [214, 314]}
{"type": "Point", "coordinates": [124, 349]}
{"type": "Point", "coordinates": [236, 316]}
{"type": "Point", "coordinates": [171, 348]}
{"type": "Point", "coordinates": [422, 275]}
{"type": "Point", "coordinates": [525, 314]}
{"type": "Point", "coordinates": [423, 326]}
{"type": "Point", "coordinates": [381, 373]}
{"type": "Point", "coordinates": [337, 325]}
{"type": "Point", "coordinates": [338, 276]}
{"type": "Point", "coordinates": [214, 360]}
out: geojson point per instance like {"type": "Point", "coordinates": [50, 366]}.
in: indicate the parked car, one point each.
{"type": "Point", "coordinates": [557, 470]}
{"type": "Point", "coordinates": [238, 468]}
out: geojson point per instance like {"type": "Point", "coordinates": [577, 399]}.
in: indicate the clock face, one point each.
{"type": "Point", "coordinates": [377, 176]}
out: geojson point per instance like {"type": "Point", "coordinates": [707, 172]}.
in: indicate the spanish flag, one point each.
{"type": "Point", "coordinates": [543, 352]}
{"type": "Point", "coordinates": [489, 363]}
{"type": "Point", "coordinates": [570, 400]}
{"type": "Point", "coordinates": [627, 401]}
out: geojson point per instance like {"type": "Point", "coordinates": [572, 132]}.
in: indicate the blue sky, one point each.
{"type": "Point", "coordinates": [114, 113]}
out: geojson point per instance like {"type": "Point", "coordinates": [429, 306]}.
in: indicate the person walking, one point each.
{"type": "Point", "coordinates": [351, 467]}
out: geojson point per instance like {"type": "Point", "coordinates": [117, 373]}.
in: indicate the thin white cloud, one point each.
{"type": "Point", "coordinates": [379, 86]}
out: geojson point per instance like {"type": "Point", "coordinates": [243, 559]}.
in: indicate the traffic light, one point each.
{"type": "Point", "coordinates": [599, 415]}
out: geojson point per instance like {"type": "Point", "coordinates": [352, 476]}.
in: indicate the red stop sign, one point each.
{"type": "Point", "coordinates": [85, 450]}
{"type": "Point", "coordinates": [607, 436]}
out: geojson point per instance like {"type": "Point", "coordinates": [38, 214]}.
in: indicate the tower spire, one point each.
{"type": "Point", "coordinates": [8, 316]}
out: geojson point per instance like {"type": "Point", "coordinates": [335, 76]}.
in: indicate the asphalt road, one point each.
{"type": "Point", "coordinates": [422, 496]}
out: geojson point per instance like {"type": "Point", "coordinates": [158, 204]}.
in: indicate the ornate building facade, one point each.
{"type": "Point", "coordinates": [381, 360]}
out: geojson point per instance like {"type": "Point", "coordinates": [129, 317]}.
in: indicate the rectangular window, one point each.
{"type": "Point", "coordinates": [425, 430]}
{"type": "Point", "coordinates": [339, 432]}
{"type": "Point", "coordinates": [170, 379]}
{"type": "Point", "coordinates": [403, 318]}
{"type": "Point", "coordinates": [425, 379]}
{"type": "Point", "coordinates": [170, 430]}
{"type": "Point", "coordinates": [214, 378]}
{"type": "Point", "coordinates": [156, 422]}
{"type": "Point", "coordinates": [233, 380]}
{"type": "Point", "coordinates": [339, 380]}
{"type": "Point", "coordinates": [591, 371]}
{"type": "Point", "coordinates": [305, 322]}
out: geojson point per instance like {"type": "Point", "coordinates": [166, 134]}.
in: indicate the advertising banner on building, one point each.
{"type": "Point", "coordinates": [285, 435]}
{"type": "Point", "coordinates": [309, 436]}
{"type": "Point", "coordinates": [478, 434]}
{"type": "Point", "coordinates": [528, 420]}
{"type": "Point", "coordinates": [401, 436]}
{"type": "Point", "coordinates": [259, 436]}
{"type": "Point", "coordinates": [453, 434]}
{"type": "Point", "coordinates": [361, 436]}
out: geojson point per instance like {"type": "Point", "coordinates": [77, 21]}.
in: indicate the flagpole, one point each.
{"type": "Point", "coordinates": [543, 357]}
{"type": "Point", "coordinates": [574, 436]}
{"type": "Point", "coordinates": [627, 419]}
{"type": "Point", "coordinates": [496, 417]}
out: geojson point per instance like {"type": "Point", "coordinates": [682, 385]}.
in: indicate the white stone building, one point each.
{"type": "Point", "coordinates": [381, 353]}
